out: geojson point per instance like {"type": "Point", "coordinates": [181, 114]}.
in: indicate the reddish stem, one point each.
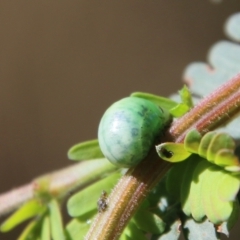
{"type": "Point", "coordinates": [214, 110]}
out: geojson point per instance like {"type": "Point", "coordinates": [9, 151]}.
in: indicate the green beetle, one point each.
{"type": "Point", "coordinates": [129, 128]}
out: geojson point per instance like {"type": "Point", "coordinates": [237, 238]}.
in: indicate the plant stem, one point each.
{"type": "Point", "coordinates": [57, 184]}
{"type": "Point", "coordinates": [215, 109]}
{"type": "Point", "coordinates": [133, 187]}
{"type": "Point", "coordinates": [11, 200]}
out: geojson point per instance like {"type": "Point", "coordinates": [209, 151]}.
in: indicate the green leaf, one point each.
{"type": "Point", "coordinates": [176, 109]}
{"type": "Point", "coordinates": [204, 144]}
{"type": "Point", "coordinates": [225, 158]}
{"type": "Point", "coordinates": [218, 142]}
{"type": "Point", "coordinates": [204, 189]}
{"type": "Point", "coordinates": [86, 200]}
{"type": "Point", "coordinates": [45, 231]}
{"type": "Point", "coordinates": [198, 231]}
{"type": "Point", "coordinates": [132, 232]}
{"type": "Point", "coordinates": [217, 148]}
{"type": "Point", "coordinates": [174, 179]}
{"type": "Point", "coordinates": [186, 183]}
{"type": "Point", "coordinates": [163, 102]}
{"type": "Point", "coordinates": [172, 152]}
{"type": "Point", "coordinates": [186, 96]}
{"type": "Point", "coordinates": [85, 151]}
{"type": "Point", "coordinates": [196, 203]}
{"type": "Point", "coordinates": [31, 231]}
{"type": "Point", "coordinates": [149, 222]}
{"type": "Point", "coordinates": [125, 237]}
{"type": "Point", "coordinates": [77, 229]}
{"type": "Point", "coordinates": [179, 110]}
{"type": "Point", "coordinates": [228, 187]}
{"type": "Point", "coordinates": [28, 210]}
{"type": "Point", "coordinates": [57, 231]}
{"type": "Point", "coordinates": [192, 141]}
{"type": "Point", "coordinates": [215, 209]}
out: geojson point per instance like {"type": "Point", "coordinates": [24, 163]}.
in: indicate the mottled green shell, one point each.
{"type": "Point", "coordinates": [128, 129]}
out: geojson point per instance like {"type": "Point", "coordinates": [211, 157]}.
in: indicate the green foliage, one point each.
{"type": "Point", "coordinates": [45, 212]}
{"type": "Point", "coordinates": [217, 148]}
{"type": "Point", "coordinates": [206, 189]}
{"type": "Point", "coordinates": [27, 211]}
{"type": "Point", "coordinates": [83, 206]}
{"type": "Point", "coordinates": [175, 109]}
{"type": "Point", "coordinates": [192, 141]}
{"type": "Point", "coordinates": [185, 105]}
{"type": "Point", "coordinates": [31, 231]}
{"type": "Point", "coordinates": [46, 231]}
{"type": "Point", "coordinates": [149, 222]}
{"type": "Point", "coordinates": [186, 97]}
{"type": "Point", "coordinates": [76, 229]}
{"type": "Point", "coordinates": [163, 102]}
{"type": "Point", "coordinates": [132, 231]}
{"type": "Point", "coordinates": [85, 201]}
{"type": "Point", "coordinates": [47, 223]}
{"type": "Point", "coordinates": [172, 152]}
{"type": "Point", "coordinates": [56, 223]}
{"type": "Point", "coordinates": [85, 151]}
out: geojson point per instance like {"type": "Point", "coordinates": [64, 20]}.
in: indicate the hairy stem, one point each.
{"type": "Point", "coordinates": [11, 200]}
{"type": "Point", "coordinates": [214, 110]}
{"type": "Point", "coordinates": [57, 184]}
{"type": "Point", "coordinates": [132, 188]}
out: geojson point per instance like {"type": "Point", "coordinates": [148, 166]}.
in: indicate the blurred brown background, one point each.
{"type": "Point", "coordinates": [62, 63]}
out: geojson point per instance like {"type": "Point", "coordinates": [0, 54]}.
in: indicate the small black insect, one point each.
{"type": "Point", "coordinates": [166, 153]}
{"type": "Point", "coordinates": [102, 202]}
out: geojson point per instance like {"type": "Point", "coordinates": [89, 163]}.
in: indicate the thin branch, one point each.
{"type": "Point", "coordinates": [214, 110]}
{"type": "Point", "coordinates": [58, 183]}
{"type": "Point", "coordinates": [11, 200]}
